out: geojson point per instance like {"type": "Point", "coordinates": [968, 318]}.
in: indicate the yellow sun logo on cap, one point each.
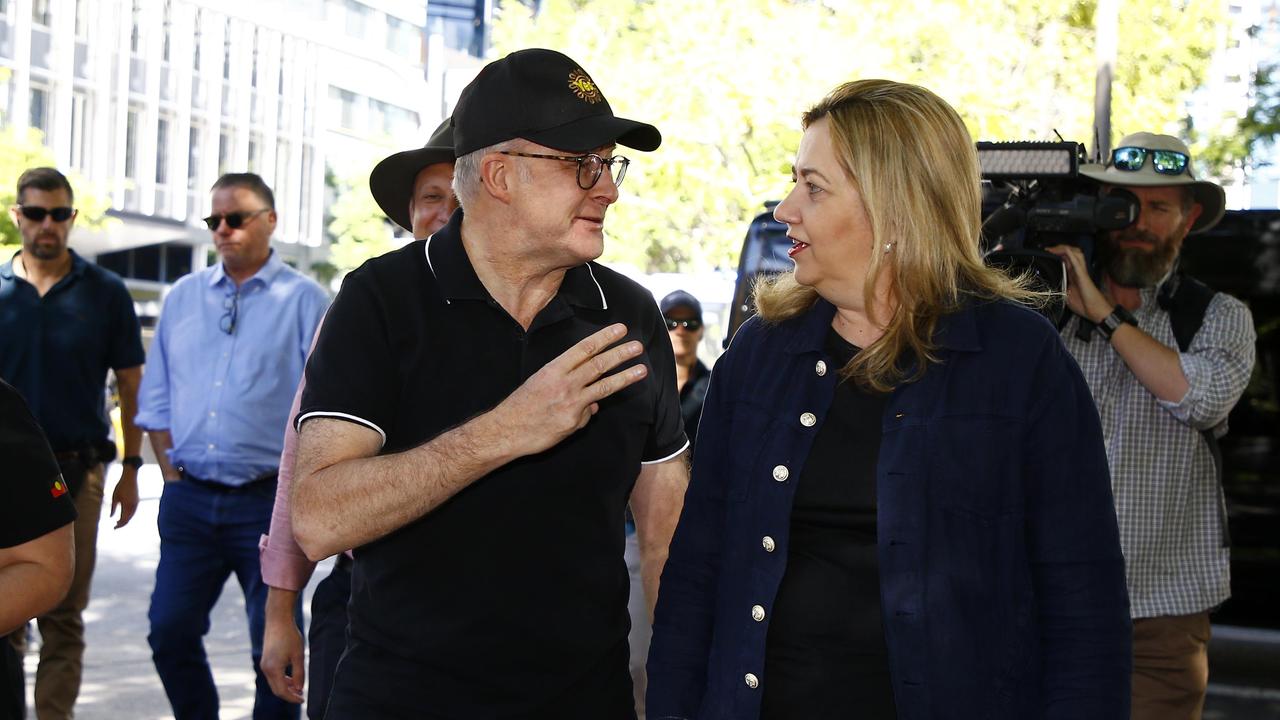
{"type": "Point", "coordinates": [582, 86]}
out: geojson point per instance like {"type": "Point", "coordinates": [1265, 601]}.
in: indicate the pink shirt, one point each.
{"type": "Point", "coordinates": [284, 565]}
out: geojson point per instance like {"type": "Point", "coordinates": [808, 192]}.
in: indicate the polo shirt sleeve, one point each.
{"type": "Point", "coordinates": [667, 438]}
{"type": "Point", "coordinates": [34, 500]}
{"type": "Point", "coordinates": [125, 350]}
{"type": "Point", "coordinates": [352, 374]}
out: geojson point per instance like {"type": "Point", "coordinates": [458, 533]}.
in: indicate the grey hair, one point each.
{"type": "Point", "coordinates": [466, 171]}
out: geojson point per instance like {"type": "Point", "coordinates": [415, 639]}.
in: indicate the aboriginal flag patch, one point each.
{"type": "Point", "coordinates": [59, 488]}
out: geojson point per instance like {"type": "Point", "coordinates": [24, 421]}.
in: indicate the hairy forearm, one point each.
{"type": "Point", "coordinates": [128, 380]}
{"type": "Point", "coordinates": [352, 502]}
{"type": "Point", "coordinates": [1153, 363]}
{"type": "Point", "coordinates": [656, 503]}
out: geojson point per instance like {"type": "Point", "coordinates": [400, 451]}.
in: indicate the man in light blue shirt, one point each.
{"type": "Point", "coordinates": [228, 353]}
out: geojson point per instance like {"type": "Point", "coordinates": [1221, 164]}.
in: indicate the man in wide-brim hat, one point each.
{"type": "Point", "coordinates": [414, 188]}
{"type": "Point", "coordinates": [480, 408]}
{"type": "Point", "coordinates": [1166, 358]}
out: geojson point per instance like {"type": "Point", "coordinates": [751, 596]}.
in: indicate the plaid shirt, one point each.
{"type": "Point", "coordinates": [1169, 502]}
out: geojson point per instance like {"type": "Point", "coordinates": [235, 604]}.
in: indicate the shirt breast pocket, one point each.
{"type": "Point", "coordinates": [975, 462]}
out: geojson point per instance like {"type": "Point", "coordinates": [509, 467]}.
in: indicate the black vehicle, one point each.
{"type": "Point", "coordinates": [1239, 256]}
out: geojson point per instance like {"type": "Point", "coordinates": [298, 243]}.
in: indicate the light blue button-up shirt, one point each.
{"type": "Point", "coordinates": [223, 396]}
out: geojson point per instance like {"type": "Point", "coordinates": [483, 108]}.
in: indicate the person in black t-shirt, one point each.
{"type": "Point", "coordinates": [480, 408]}
{"type": "Point", "coordinates": [37, 554]}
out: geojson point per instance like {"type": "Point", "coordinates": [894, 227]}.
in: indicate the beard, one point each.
{"type": "Point", "coordinates": [44, 250]}
{"type": "Point", "coordinates": [1134, 266]}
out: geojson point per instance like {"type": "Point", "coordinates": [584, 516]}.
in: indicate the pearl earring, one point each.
{"type": "Point", "coordinates": [888, 246]}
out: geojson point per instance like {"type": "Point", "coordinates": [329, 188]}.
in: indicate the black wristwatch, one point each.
{"type": "Point", "coordinates": [133, 461]}
{"type": "Point", "coordinates": [1111, 323]}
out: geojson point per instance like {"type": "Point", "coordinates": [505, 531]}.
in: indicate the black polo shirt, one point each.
{"type": "Point", "coordinates": [56, 349]}
{"type": "Point", "coordinates": [508, 600]}
{"type": "Point", "coordinates": [34, 500]}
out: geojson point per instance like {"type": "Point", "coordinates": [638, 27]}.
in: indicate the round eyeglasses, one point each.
{"type": "Point", "coordinates": [590, 166]}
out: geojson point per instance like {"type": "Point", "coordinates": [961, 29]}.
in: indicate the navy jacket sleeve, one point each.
{"type": "Point", "coordinates": [684, 617]}
{"type": "Point", "coordinates": [1073, 545]}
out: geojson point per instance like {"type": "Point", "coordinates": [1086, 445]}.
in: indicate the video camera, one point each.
{"type": "Point", "coordinates": [1034, 197]}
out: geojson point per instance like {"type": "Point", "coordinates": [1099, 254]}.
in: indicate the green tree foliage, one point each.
{"type": "Point", "coordinates": [357, 228]}
{"type": "Point", "coordinates": [1232, 149]}
{"type": "Point", "coordinates": [726, 82]}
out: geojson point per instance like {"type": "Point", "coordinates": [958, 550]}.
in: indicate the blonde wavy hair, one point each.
{"type": "Point", "coordinates": [911, 158]}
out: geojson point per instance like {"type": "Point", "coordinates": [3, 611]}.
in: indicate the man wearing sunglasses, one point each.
{"type": "Point", "coordinates": [64, 323]}
{"type": "Point", "coordinates": [228, 352]}
{"type": "Point", "coordinates": [479, 409]}
{"type": "Point", "coordinates": [1163, 401]}
{"type": "Point", "coordinates": [413, 189]}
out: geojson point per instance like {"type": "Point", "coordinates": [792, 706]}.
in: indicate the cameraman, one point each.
{"type": "Point", "coordinates": [1162, 409]}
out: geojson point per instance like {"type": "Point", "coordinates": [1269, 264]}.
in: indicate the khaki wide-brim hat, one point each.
{"type": "Point", "coordinates": [1210, 195]}
{"type": "Point", "coordinates": [392, 179]}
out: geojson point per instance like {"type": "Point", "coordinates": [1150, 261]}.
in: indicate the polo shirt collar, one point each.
{"type": "Point", "coordinates": [78, 265]}
{"type": "Point", "coordinates": [448, 261]}
{"type": "Point", "coordinates": [956, 330]}
{"type": "Point", "coordinates": [265, 275]}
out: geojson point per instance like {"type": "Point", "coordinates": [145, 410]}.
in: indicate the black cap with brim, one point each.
{"type": "Point", "coordinates": [545, 97]}
{"type": "Point", "coordinates": [392, 179]}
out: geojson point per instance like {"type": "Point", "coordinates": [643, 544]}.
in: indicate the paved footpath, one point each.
{"type": "Point", "coordinates": [119, 679]}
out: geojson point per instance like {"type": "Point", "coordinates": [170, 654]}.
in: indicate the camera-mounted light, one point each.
{"type": "Point", "coordinates": [1026, 160]}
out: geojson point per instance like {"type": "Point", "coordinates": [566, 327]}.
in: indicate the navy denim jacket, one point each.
{"type": "Point", "coordinates": [1002, 582]}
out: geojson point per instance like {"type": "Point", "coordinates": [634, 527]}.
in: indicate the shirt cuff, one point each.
{"type": "Point", "coordinates": [1181, 410]}
{"type": "Point", "coordinates": [284, 569]}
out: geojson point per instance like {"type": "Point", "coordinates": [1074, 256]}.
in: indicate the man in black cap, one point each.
{"type": "Point", "coordinates": [413, 188]}
{"type": "Point", "coordinates": [683, 314]}
{"type": "Point", "coordinates": [479, 409]}
{"type": "Point", "coordinates": [1166, 359]}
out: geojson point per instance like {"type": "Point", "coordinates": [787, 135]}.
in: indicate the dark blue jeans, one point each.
{"type": "Point", "coordinates": [205, 535]}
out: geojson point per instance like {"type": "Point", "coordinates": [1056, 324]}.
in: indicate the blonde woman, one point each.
{"type": "Point", "coordinates": [900, 505]}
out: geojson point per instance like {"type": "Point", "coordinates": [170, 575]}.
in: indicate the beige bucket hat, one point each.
{"type": "Point", "coordinates": [1210, 195]}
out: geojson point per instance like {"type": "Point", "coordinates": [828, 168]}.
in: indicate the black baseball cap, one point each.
{"type": "Point", "coordinates": [545, 97]}
{"type": "Point", "coordinates": [392, 179]}
{"type": "Point", "coordinates": [680, 298]}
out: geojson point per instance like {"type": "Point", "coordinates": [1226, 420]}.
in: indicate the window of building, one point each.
{"type": "Point", "coordinates": [82, 18]}
{"type": "Point", "coordinates": [135, 32]}
{"type": "Point", "coordinates": [162, 151]}
{"type": "Point", "coordinates": [168, 30]}
{"type": "Point", "coordinates": [194, 136]}
{"type": "Point", "coordinates": [403, 38]}
{"type": "Point", "coordinates": [461, 22]}
{"type": "Point", "coordinates": [38, 116]}
{"type": "Point", "coordinates": [131, 145]}
{"type": "Point", "coordinates": [344, 107]}
{"type": "Point", "coordinates": [226, 53]}
{"type": "Point", "coordinates": [357, 17]}
{"type": "Point", "coordinates": [224, 153]}
{"type": "Point", "coordinates": [79, 111]}
{"type": "Point", "coordinates": [255, 153]}
{"type": "Point", "coordinates": [41, 12]}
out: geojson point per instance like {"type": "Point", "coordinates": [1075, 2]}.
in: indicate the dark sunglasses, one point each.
{"type": "Point", "coordinates": [692, 325]}
{"type": "Point", "coordinates": [590, 166]}
{"type": "Point", "coordinates": [1165, 162]}
{"type": "Point", "coordinates": [234, 220]}
{"type": "Point", "coordinates": [35, 213]}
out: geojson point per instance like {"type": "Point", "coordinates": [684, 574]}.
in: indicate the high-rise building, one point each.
{"type": "Point", "coordinates": [151, 100]}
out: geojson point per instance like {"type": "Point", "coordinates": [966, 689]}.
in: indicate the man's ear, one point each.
{"type": "Point", "coordinates": [1192, 215]}
{"type": "Point", "coordinates": [497, 175]}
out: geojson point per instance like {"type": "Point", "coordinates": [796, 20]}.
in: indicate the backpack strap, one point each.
{"type": "Point", "coordinates": [1186, 299]}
